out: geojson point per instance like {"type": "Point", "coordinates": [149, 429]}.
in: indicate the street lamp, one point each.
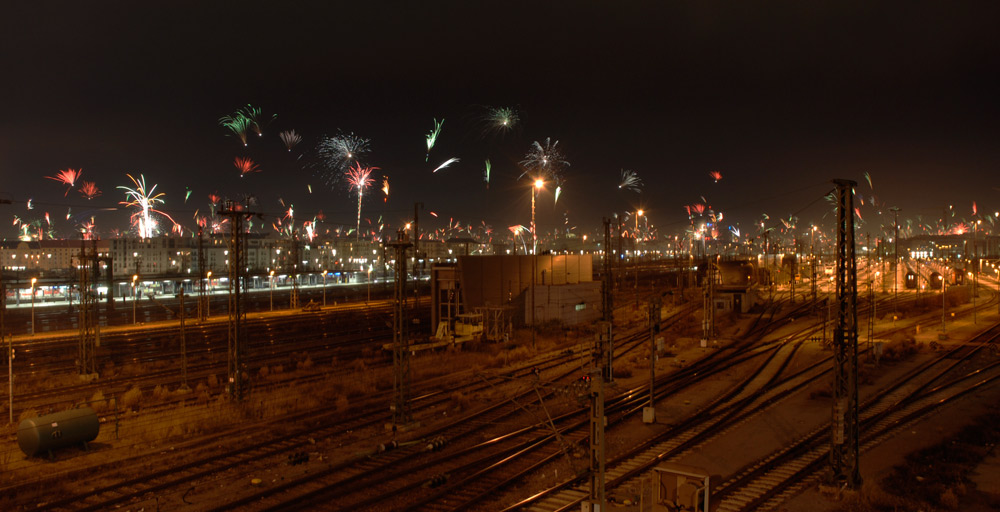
{"type": "Point", "coordinates": [270, 284]}
{"type": "Point", "coordinates": [324, 287]}
{"type": "Point", "coordinates": [33, 280]}
{"type": "Point", "coordinates": [135, 278]}
{"type": "Point", "coordinates": [539, 183]}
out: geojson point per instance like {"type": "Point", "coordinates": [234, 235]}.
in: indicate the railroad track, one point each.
{"type": "Point", "coordinates": [235, 460]}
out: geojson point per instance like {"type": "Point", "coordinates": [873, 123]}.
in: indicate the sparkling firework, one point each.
{"type": "Point", "coordinates": [432, 137]}
{"type": "Point", "coordinates": [236, 123]}
{"type": "Point", "coordinates": [630, 181]}
{"type": "Point", "coordinates": [385, 189]}
{"type": "Point", "coordinates": [339, 153]}
{"type": "Point", "coordinates": [290, 138]}
{"type": "Point", "coordinates": [67, 177]}
{"type": "Point", "coordinates": [89, 190]}
{"type": "Point", "coordinates": [246, 166]}
{"type": "Point", "coordinates": [256, 119]}
{"type": "Point", "coordinates": [360, 178]}
{"type": "Point", "coordinates": [145, 201]}
{"type": "Point", "coordinates": [715, 175]}
{"type": "Point", "coordinates": [500, 119]}
{"type": "Point", "coordinates": [544, 160]}
{"type": "Point", "coordinates": [187, 194]}
{"type": "Point", "coordinates": [486, 173]}
{"type": "Point", "coordinates": [446, 163]}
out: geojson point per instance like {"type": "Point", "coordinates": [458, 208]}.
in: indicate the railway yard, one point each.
{"type": "Point", "coordinates": [498, 426]}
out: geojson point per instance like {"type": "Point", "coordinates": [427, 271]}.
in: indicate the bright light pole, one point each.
{"type": "Point", "coordinates": [134, 279]}
{"type": "Point", "coordinates": [539, 183]}
{"type": "Point", "coordinates": [33, 280]}
{"type": "Point", "coordinates": [324, 287]}
{"type": "Point", "coordinates": [270, 284]}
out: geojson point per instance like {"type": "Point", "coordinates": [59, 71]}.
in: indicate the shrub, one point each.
{"type": "Point", "coordinates": [342, 403]}
{"type": "Point", "coordinates": [460, 401]}
{"type": "Point", "coordinates": [132, 398]}
{"type": "Point", "coordinates": [97, 402]}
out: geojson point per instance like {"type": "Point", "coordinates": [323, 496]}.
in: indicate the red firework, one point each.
{"type": "Point", "coordinates": [246, 166]}
{"type": "Point", "coordinates": [67, 177]}
{"type": "Point", "coordinates": [716, 175]}
{"type": "Point", "coordinates": [89, 190]}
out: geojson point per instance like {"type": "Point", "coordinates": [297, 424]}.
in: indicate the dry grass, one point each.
{"type": "Point", "coordinates": [937, 477]}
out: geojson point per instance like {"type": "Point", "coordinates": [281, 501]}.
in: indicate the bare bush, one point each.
{"type": "Point", "coordinates": [97, 402]}
{"type": "Point", "coordinates": [132, 398]}
{"type": "Point", "coordinates": [460, 401]}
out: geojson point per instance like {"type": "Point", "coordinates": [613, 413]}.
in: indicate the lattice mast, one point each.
{"type": "Point", "coordinates": [844, 448]}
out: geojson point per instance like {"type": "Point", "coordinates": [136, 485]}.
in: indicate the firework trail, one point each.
{"type": "Point", "coordinates": [715, 175]}
{"type": "Point", "coordinates": [89, 190]}
{"type": "Point", "coordinates": [486, 174]}
{"type": "Point", "coordinates": [290, 138]}
{"type": "Point", "coordinates": [30, 206]}
{"type": "Point", "coordinates": [630, 181]}
{"type": "Point", "coordinates": [974, 210]}
{"type": "Point", "coordinates": [544, 160]}
{"type": "Point", "coordinates": [385, 189]}
{"type": "Point", "coordinates": [236, 123]}
{"type": "Point", "coordinates": [339, 152]}
{"type": "Point", "coordinates": [256, 119]}
{"type": "Point", "coordinates": [310, 187]}
{"type": "Point", "coordinates": [246, 166]}
{"type": "Point", "coordinates": [432, 137]}
{"type": "Point", "coordinates": [446, 163]}
{"type": "Point", "coordinates": [360, 178]}
{"type": "Point", "coordinates": [187, 194]}
{"type": "Point", "coordinates": [145, 201]}
{"type": "Point", "coordinates": [67, 177]}
{"type": "Point", "coordinates": [500, 119]}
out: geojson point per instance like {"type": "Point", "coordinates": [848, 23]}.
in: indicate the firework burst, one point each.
{"type": "Point", "coordinates": [500, 119]}
{"type": "Point", "coordinates": [446, 164]}
{"type": "Point", "coordinates": [715, 175]}
{"type": "Point", "coordinates": [67, 177]}
{"type": "Point", "coordinates": [236, 123]}
{"type": "Point", "coordinates": [359, 178]}
{"type": "Point", "coordinates": [338, 153]}
{"type": "Point", "coordinates": [630, 181]}
{"type": "Point", "coordinates": [89, 190]}
{"type": "Point", "coordinates": [432, 137]}
{"type": "Point", "coordinates": [256, 119]}
{"type": "Point", "coordinates": [289, 138]}
{"type": "Point", "coordinates": [246, 166]}
{"type": "Point", "coordinates": [385, 189]}
{"type": "Point", "coordinates": [544, 160]}
{"type": "Point", "coordinates": [145, 201]}
{"type": "Point", "coordinates": [486, 173]}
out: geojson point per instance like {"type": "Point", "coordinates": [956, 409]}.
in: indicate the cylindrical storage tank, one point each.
{"type": "Point", "coordinates": [51, 432]}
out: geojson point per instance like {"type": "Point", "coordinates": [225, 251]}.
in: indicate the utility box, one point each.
{"type": "Point", "coordinates": [678, 487]}
{"type": "Point", "coordinates": [649, 414]}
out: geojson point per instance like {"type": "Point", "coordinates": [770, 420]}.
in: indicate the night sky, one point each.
{"type": "Point", "coordinates": [780, 97]}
